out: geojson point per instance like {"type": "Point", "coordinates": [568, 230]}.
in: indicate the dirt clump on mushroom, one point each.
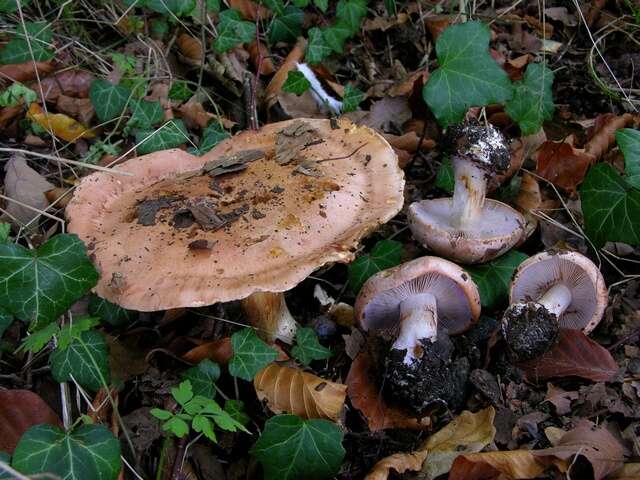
{"type": "Point", "coordinates": [529, 330]}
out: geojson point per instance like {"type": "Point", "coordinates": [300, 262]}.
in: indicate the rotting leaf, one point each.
{"type": "Point", "coordinates": [521, 464]}
{"type": "Point", "coordinates": [148, 209]}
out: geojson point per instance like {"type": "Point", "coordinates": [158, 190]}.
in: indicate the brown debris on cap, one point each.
{"type": "Point", "coordinates": [285, 224]}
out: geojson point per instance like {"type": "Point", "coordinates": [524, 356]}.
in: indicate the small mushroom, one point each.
{"type": "Point", "coordinates": [419, 304]}
{"type": "Point", "coordinates": [251, 218]}
{"type": "Point", "coordinates": [550, 291]}
{"type": "Point", "coordinates": [469, 228]}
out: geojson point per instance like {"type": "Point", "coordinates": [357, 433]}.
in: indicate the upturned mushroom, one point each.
{"type": "Point", "coordinates": [549, 291]}
{"type": "Point", "coordinates": [418, 305]}
{"type": "Point", "coordinates": [251, 218]}
{"type": "Point", "coordinates": [470, 228]}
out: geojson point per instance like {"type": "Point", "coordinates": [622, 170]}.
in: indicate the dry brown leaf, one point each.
{"type": "Point", "coordinates": [575, 354]}
{"type": "Point", "coordinates": [219, 351]}
{"type": "Point", "coordinates": [562, 164]}
{"type": "Point", "coordinates": [61, 125]}
{"type": "Point", "coordinates": [260, 57]}
{"type": "Point", "coordinates": [60, 195]}
{"type": "Point", "coordinates": [561, 399]}
{"type": "Point", "coordinates": [388, 114]}
{"type": "Point", "coordinates": [630, 471]}
{"type": "Point", "coordinates": [80, 108]}
{"type": "Point", "coordinates": [127, 357]}
{"type": "Point", "coordinates": [384, 23]}
{"type": "Point", "coordinates": [20, 410]}
{"type": "Point", "coordinates": [23, 72]}
{"type": "Point", "coordinates": [73, 83]}
{"type": "Point", "coordinates": [23, 184]}
{"type": "Point", "coordinates": [293, 391]}
{"type": "Point", "coordinates": [275, 85]}
{"type": "Point", "coordinates": [601, 449]}
{"type": "Point", "coordinates": [250, 10]}
{"type": "Point", "coordinates": [409, 141]}
{"type": "Point", "coordinates": [9, 113]}
{"type": "Point", "coordinates": [368, 399]}
{"type": "Point", "coordinates": [516, 464]}
{"type": "Point", "coordinates": [400, 462]}
{"type": "Point", "coordinates": [605, 130]}
{"type": "Point", "coordinates": [190, 47]}
{"type": "Point", "coordinates": [438, 24]}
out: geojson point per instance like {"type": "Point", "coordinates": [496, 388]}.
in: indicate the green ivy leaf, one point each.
{"type": "Point", "coordinates": [203, 378]}
{"type": "Point", "coordinates": [628, 140]}
{"type": "Point", "coordinates": [145, 114]}
{"type": "Point", "coordinates": [296, 83]}
{"type": "Point", "coordinates": [180, 91]}
{"type": "Point", "coordinates": [39, 35]}
{"type": "Point", "coordinates": [4, 456]}
{"type": "Point", "coordinates": [38, 339]}
{"type": "Point", "coordinates": [250, 354]}
{"type": "Point", "coordinates": [351, 12]}
{"type": "Point", "coordinates": [286, 26]}
{"type": "Point", "coordinates": [40, 285]}
{"type": "Point", "coordinates": [351, 99]}
{"type": "Point", "coordinates": [108, 100]}
{"type": "Point", "coordinates": [493, 278]}
{"type": "Point", "coordinates": [17, 93]}
{"type": "Point", "coordinates": [317, 48]}
{"type": "Point", "coordinates": [335, 35]}
{"type": "Point", "coordinates": [385, 254]}
{"type": "Point", "coordinates": [108, 312]}
{"type": "Point", "coordinates": [211, 136]}
{"type": "Point", "coordinates": [6, 320]}
{"type": "Point", "coordinates": [308, 348]}
{"type": "Point", "coordinates": [5, 230]}
{"type": "Point", "coordinates": [446, 178]}
{"type": "Point", "coordinates": [179, 8]}
{"type": "Point", "coordinates": [86, 359]}
{"type": "Point", "coordinates": [321, 4]}
{"type": "Point", "coordinates": [89, 451]}
{"type": "Point", "coordinates": [72, 331]}
{"type": "Point", "coordinates": [170, 135]}
{"type": "Point", "coordinates": [291, 448]}
{"type": "Point", "coordinates": [213, 6]}
{"type": "Point", "coordinates": [183, 392]}
{"type": "Point", "coordinates": [235, 409]}
{"type": "Point", "coordinates": [532, 101]}
{"type": "Point", "coordinates": [610, 206]}
{"type": "Point", "coordinates": [233, 31]}
{"type": "Point", "coordinates": [467, 75]}
{"type": "Point", "coordinates": [10, 6]}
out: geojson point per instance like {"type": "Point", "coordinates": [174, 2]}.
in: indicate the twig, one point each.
{"type": "Point", "coordinates": [250, 101]}
{"type": "Point", "coordinates": [66, 160]}
{"type": "Point", "coordinates": [344, 156]}
{"type": "Point", "coordinates": [177, 462]}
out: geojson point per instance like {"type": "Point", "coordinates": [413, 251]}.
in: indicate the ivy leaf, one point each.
{"type": "Point", "coordinates": [308, 348]}
{"type": "Point", "coordinates": [446, 178]}
{"type": "Point", "coordinates": [17, 93]}
{"type": "Point", "coordinates": [203, 378]}
{"type": "Point", "coordinates": [292, 448]}
{"type": "Point", "coordinates": [183, 392]}
{"type": "Point", "coordinates": [179, 8]}
{"type": "Point", "coordinates": [71, 331]}
{"type": "Point", "coordinates": [108, 100]}
{"type": "Point", "coordinates": [467, 75]}
{"type": "Point", "coordinates": [40, 285]}
{"type": "Point", "coordinates": [351, 99]}
{"type": "Point", "coordinates": [145, 114]}
{"type": "Point", "coordinates": [38, 339]}
{"type": "Point", "coordinates": [317, 48]}
{"type": "Point", "coordinates": [385, 254]}
{"type": "Point", "coordinates": [211, 136]}
{"type": "Point", "coordinates": [86, 359]}
{"type": "Point", "coordinates": [321, 4]}
{"type": "Point", "coordinates": [109, 312]}
{"type": "Point", "coordinates": [286, 26]}
{"type": "Point", "coordinates": [493, 278]}
{"type": "Point", "coordinates": [296, 83]}
{"type": "Point", "coordinates": [180, 91]}
{"type": "Point", "coordinates": [611, 206]}
{"type": "Point", "coordinates": [5, 321]}
{"type": "Point", "coordinates": [232, 31]}
{"type": "Point", "coordinates": [335, 35]}
{"type": "Point", "coordinates": [5, 230]}
{"type": "Point", "coordinates": [4, 456]}
{"type": "Point", "coordinates": [10, 6]}
{"type": "Point", "coordinates": [39, 35]}
{"type": "Point", "coordinates": [628, 140]}
{"type": "Point", "coordinates": [351, 12]}
{"type": "Point", "coordinates": [170, 135]}
{"type": "Point", "coordinates": [89, 451]}
{"type": "Point", "coordinates": [532, 101]}
{"type": "Point", "coordinates": [250, 354]}
{"type": "Point", "coordinates": [235, 409]}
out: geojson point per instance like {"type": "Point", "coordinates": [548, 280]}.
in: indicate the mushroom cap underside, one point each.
{"type": "Point", "coordinates": [458, 301]}
{"type": "Point", "coordinates": [536, 275]}
{"type": "Point", "coordinates": [494, 232]}
{"type": "Point", "coordinates": [279, 222]}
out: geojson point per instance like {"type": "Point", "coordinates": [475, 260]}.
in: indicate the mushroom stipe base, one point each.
{"type": "Point", "coordinates": [529, 331]}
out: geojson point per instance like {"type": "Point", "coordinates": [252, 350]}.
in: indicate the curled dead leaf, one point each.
{"type": "Point", "coordinates": [409, 142]}
{"type": "Point", "coordinates": [367, 398]}
{"type": "Point", "coordinates": [20, 410]}
{"type": "Point", "coordinates": [275, 85]}
{"type": "Point", "coordinates": [61, 125]}
{"type": "Point", "coordinates": [190, 47]}
{"type": "Point", "coordinates": [562, 164]}
{"type": "Point", "coordinates": [515, 464]}
{"type": "Point", "coordinates": [80, 108]}
{"type": "Point", "coordinates": [559, 398]}
{"type": "Point", "coordinates": [23, 72]}
{"type": "Point", "coordinates": [291, 390]}
{"type": "Point", "coordinates": [630, 471]}
{"type": "Point", "coordinates": [605, 130]}
{"type": "Point", "coordinates": [437, 24]}
{"type": "Point", "coordinates": [400, 462]}
{"type": "Point", "coordinates": [219, 351]}
{"type": "Point", "coordinates": [575, 354]}
{"type": "Point", "coordinates": [73, 83]}
{"type": "Point", "coordinates": [250, 10]}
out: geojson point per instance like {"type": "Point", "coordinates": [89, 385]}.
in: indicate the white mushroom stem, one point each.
{"type": "Point", "coordinates": [556, 300]}
{"type": "Point", "coordinates": [269, 314]}
{"type": "Point", "coordinates": [469, 191]}
{"type": "Point", "coordinates": [418, 321]}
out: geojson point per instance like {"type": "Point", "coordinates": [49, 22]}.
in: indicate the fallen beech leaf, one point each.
{"type": "Point", "coordinates": [388, 114]}
{"type": "Point", "coordinates": [605, 130]}
{"type": "Point", "coordinates": [61, 125]}
{"type": "Point", "coordinates": [23, 72]}
{"type": "Point", "coordinates": [190, 47]}
{"type": "Point", "coordinates": [293, 391]}
{"type": "Point", "coordinates": [384, 23]}
{"type": "Point", "coordinates": [9, 113]}
{"type": "Point", "coordinates": [250, 10]}
{"type": "Point", "coordinates": [409, 142]}
{"type": "Point", "coordinates": [601, 449]}
{"type": "Point", "coordinates": [218, 351]}
{"type": "Point", "coordinates": [366, 397]}
{"type": "Point", "coordinates": [561, 399]}
{"type": "Point", "coordinates": [400, 462]}
{"type": "Point", "coordinates": [24, 184]}
{"type": "Point", "coordinates": [437, 24]}
{"type": "Point", "coordinates": [80, 108]}
{"type": "Point", "coordinates": [61, 195]}
{"type": "Point", "coordinates": [516, 464]}
{"type": "Point", "coordinates": [467, 433]}
{"type": "Point", "coordinates": [562, 164]}
{"type": "Point", "coordinates": [575, 354]}
{"type": "Point", "coordinates": [127, 358]}
{"type": "Point", "coordinates": [73, 83]}
{"type": "Point", "coordinates": [275, 85]}
{"type": "Point", "coordinates": [408, 84]}
{"type": "Point", "coordinates": [20, 410]}
{"type": "Point", "coordinates": [260, 56]}
{"type": "Point", "coordinates": [195, 115]}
